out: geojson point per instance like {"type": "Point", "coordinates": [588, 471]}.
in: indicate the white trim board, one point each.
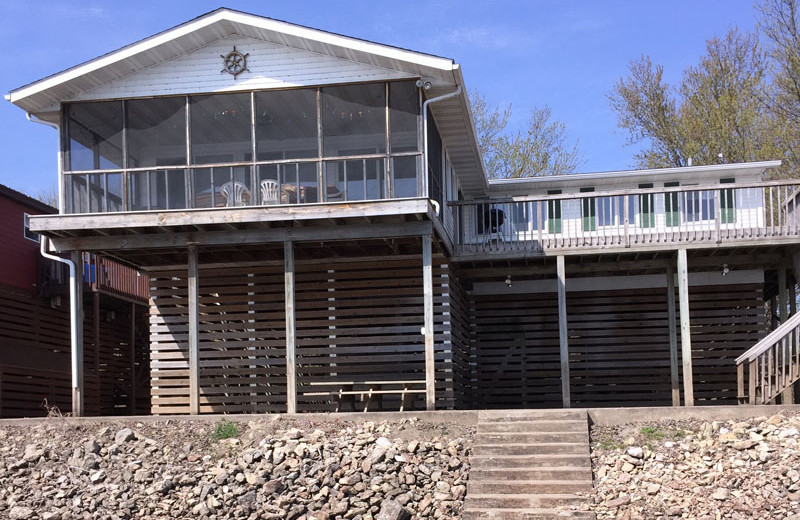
{"type": "Point", "coordinates": [613, 283]}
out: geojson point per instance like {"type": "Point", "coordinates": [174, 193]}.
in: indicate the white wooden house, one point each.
{"type": "Point", "coordinates": [319, 234]}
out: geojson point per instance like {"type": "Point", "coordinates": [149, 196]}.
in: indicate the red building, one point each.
{"type": "Point", "coordinates": [34, 325]}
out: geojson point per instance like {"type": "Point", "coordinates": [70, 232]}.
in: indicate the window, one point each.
{"type": "Point", "coordinates": [608, 210]}
{"type": "Point", "coordinates": [727, 203]}
{"type": "Point", "coordinates": [646, 212]}
{"type": "Point", "coordinates": [26, 223]}
{"type": "Point", "coordinates": [671, 209]}
{"type": "Point", "coordinates": [588, 211]}
{"type": "Point", "coordinates": [698, 205]}
{"type": "Point", "coordinates": [554, 213]}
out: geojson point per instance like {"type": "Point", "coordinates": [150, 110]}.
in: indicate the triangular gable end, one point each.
{"type": "Point", "coordinates": [269, 66]}
{"type": "Point", "coordinates": [45, 94]}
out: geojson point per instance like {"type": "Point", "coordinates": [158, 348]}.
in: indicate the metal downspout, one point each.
{"type": "Point", "coordinates": [73, 324]}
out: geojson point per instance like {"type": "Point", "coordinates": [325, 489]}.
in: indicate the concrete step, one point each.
{"type": "Point", "coordinates": [532, 473]}
{"type": "Point", "coordinates": [519, 500]}
{"type": "Point", "coordinates": [530, 437]}
{"type": "Point", "coordinates": [525, 514]}
{"type": "Point", "coordinates": [543, 448]}
{"type": "Point", "coordinates": [542, 425]}
{"type": "Point", "coordinates": [581, 460]}
{"type": "Point", "coordinates": [521, 487]}
{"type": "Point", "coordinates": [530, 415]}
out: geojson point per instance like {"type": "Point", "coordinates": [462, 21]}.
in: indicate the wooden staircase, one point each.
{"type": "Point", "coordinates": [529, 465]}
{"type": "Point", "coordinates": [773, 365]}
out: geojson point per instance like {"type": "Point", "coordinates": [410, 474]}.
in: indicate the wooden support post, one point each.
{"type": "Point", "coordinates": [194, 336]}
{"type": "Point", "coordinates": [427, 290]}
{"type": "Point", "coordinates": [96, 331]}
{"type": "Point", "coordinates": [77, 354]}
{"type": "Point", "coordinates": [132, 393]}
{"type": "Point", "coordinates": [673, 335]}
{"type": "Point", "coordinates": [562, 330]}
{"type": "Point", "coordinates": [783, 296]}
{"type": "Point", "coordinates": [787, 396]}
{"type": "Point", "coordinates": [291, 359]}
{"type": "Point", "coordinates": [686, 331]}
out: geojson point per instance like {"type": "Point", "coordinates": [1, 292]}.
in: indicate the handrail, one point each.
{"type": "Point", "coordinates": [621, 193]}
{"type": "Point", "coordinates": [770, 340]}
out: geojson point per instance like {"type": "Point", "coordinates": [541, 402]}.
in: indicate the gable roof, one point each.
{"type": "Point", "coordinates": [453, 117]}
{"type": "Point", "coordinates": [26, 200]}
{"type": "Point", "coordinates": [44, 95]}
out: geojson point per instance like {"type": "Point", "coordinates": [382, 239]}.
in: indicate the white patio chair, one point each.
{"type": "Point", "coordinates": [270, 191]}
{"type": "Point", "coordinates": [234, 193]}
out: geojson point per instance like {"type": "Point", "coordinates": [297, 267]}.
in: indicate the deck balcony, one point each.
{"type": "Point", "coordinates": [642, 219]}
{"type": "Point", "coordinates": [100, 274]}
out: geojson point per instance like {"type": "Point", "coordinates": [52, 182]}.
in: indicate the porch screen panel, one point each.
{"type": "Point", "coordinates": [242, 340]}
{"type": "Point", "coordinates": [358, 328]}
{"type": "Point", "coordinates": [286, 124]}
{"type": "Point", "coordinates": [354, 120]}
{"type": "Point", "coordinates": [156, 134]}
{"type": "Point", "coordinates": [220, 128]}
{"type": "Point", "coordinates": [403, 116]}
{"type": "Point", "coordinates": [94, 136]}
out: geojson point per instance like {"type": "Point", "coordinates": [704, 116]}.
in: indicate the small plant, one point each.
{"type": "Point", "coordinates": [225, 430]}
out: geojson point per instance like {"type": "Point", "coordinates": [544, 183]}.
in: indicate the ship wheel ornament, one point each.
{"type": "Point", "coordinates": [234, 62]}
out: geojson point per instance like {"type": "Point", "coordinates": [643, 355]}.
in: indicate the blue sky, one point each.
{"type": "Point", "coordinates": [566, 54]}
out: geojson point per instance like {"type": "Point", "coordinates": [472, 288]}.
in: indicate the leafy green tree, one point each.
{"type": "Point", "coordinates": [779, 22]}
{"type": "Point", "coordinates": [719, 112]}
{"type": "Point", "coordinates": [541, 149]}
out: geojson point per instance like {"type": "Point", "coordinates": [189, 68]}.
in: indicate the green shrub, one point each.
{"type": "Point", "coordinates": [225, 430]}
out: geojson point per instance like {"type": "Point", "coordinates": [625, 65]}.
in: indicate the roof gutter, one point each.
{"type": "Point", "coordinates": [425, 136]}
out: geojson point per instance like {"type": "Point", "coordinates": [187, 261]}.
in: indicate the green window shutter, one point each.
{"type": "Point", "coordinates": [589, 211]}
{"type": "Point", "coordinates": [671, 211]}
{"type": "Point", "coordinates": [647, 218]}
{"type": "Point", "coordinates": [726, 203]}
{"type": "Point", "coordinates": [554, 213]}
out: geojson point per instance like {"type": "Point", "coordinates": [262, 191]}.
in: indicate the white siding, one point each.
{"type": "Point", "coordinates": [270, 66]}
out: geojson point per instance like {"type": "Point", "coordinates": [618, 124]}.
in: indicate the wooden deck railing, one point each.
{"type": "Point", "coordinates": [105, 275]}
{"type": "Point", "coordinates": [624, 219]}
{"type": "Point", "coordinates": [773, 364]}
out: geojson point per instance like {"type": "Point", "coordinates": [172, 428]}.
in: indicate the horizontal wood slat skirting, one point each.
{"type": "Point", "coordinates": [35, 356]}
{"type": "Point", "coordinates": [618, 346]}
{"type": "Point", "coordinates": [357, 327]}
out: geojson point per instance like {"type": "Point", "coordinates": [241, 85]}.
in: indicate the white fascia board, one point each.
{"type": "Point", "coordinates": [467, 105]}
{"type": "Point", "coordinates": [700, 171]}
{"type": "Point", "coordinates": [424, 60]}
{"type": "Point", "coordinates": [232, 16]}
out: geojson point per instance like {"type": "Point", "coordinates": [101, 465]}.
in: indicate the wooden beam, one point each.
{"type": "Point", "coordinates": [686, 332]}
{"type": "Point", "coordinates": [194, 337]}
{"type": "Point", "coordinates": [291, 359]}
{"type": "Point", "coordinates": [77, 355]}
{"type": "Point", "coordinates": [427, 290]}
{"type": "Point", "coordinates": [673, 335]}
{"type": "Point", "coordinates": [248, 236]}
{"type": "Point", "coordinates": [236, 216]}
{"type": "Point", "coordinates": [563, 337]}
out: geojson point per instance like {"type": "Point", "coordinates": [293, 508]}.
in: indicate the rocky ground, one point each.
{"type": "Point", "coordinates": [270, 468]}
{"type": "Point", "coordinates": [699, 470]}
